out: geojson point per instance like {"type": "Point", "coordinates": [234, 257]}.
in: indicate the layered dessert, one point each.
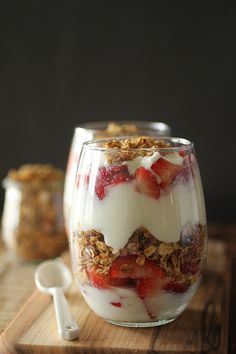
{"type": "Point", "coordinates": [101, 130]}
{"type": "Point", "coordinates": [139, 229]}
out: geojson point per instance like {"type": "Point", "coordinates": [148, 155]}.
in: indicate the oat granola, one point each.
{"type": "Point", "coordinates": [181, 261]}
{"type": "Point", "coordinates": [118, 129]}
{"type": "Point", "coordinates": [33, 173]}
{"type": "Point", "coordinates": [33, 224]}
{"type": "Point", "coordinates": [130, 148]}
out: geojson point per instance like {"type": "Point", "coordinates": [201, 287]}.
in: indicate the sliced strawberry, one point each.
{"type": "Point", "coordinates": [119, 282]}
{"type": "Point", "coordinates": [103, 281]}
{"type": "Point", "coordinates": [183, 152]}
{"type": "Point", "coordinates": [97, 279]}
{"type": "Point", "coordinates": [126, 267]}
{"type": "Point", "coordinates": [116, 304]}
{"type": "Point", "coordinates": [100, 189]}
{"type": "Point", "coordinates": [111, 176]}
{"type": "Point", "coordinates": [146, 183]}
{"type": "Point", "coordinates": [167, 171]}
{"type": "Point", "coordinates": [145, 287]}
{"type": "Point", "coordinates": [187, 173]}
{"type": "Point", "coordinates": [149, 278]}
{"type": "Point", "coordinates": [119, 174]}
{"type": "Point", "coordinates": [174, 287]}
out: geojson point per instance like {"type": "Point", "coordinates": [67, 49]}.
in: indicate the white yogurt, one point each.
{"type": "Point", "coordinates": [168, 305]}
{"type": "Point", "coordinates": [174, 158]}
{"type": "Point", "coordinates": [100, 301]}
{"type": "Point", "coordinates": [124, 210]}
{"type": "Point", "coordinates": [131, 308]}
{"type": "Point", "coordinates": [145, 161]}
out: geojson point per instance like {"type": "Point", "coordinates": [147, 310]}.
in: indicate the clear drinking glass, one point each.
{"type": "Point", "coordinates": [138, 229]}
{"type": "Point", "coordinates": [104, 129]}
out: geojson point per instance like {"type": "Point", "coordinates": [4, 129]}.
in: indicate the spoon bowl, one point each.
{"type": "Point", "coordinates": [53, 277]}
{"type": "Point", "coordinates": [52, 274]}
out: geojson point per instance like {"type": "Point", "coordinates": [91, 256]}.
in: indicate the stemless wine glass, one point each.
{"type": "Point", "coordinates": [138, 229]}
{"type": "Point", "coordinates": [104, 129]}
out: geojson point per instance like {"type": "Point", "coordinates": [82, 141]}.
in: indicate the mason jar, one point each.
{"type": "Point", "coordinates": [32, 222]}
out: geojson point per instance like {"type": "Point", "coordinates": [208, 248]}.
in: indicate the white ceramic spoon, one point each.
{"type": "Point", "coordinates": [53, 277]}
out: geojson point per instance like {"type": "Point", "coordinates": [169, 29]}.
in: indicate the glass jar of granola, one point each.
{"type": "Point", "coordinates": [32, 222]}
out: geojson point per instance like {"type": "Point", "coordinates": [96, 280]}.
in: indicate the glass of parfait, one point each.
{"type": "Point", "coordinates": [138, 228]}
{"type": "Point", "coordinates": [96, 130]}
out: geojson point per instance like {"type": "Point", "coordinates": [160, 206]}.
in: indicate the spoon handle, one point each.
{"type": "Point", "coordinates": [67, 327]}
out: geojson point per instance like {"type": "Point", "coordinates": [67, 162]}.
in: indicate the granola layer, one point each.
{"type": "Point", "coordinates": [31, 173]}
{"type": "Point", "coordinates": [130, 148]}
{"type": "Point", "coordinates": [181, 261]}
{"type": "Point", "coordinates": [118, 129]}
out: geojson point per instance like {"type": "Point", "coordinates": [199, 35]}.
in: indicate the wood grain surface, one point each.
{"type": "Point", "coordinates": [202, 328]}
{"type": "Point", "coordinates": [16, 285]}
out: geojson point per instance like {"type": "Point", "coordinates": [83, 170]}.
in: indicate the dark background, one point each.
{"type": "Point", "coordinates": [65, 62]}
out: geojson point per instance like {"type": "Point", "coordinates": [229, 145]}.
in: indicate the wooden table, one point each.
{"type": "Point", "coordinates": [17, 282]}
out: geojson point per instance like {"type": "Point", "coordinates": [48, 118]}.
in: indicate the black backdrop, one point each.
{"type": "Point", "coordinates": [65, 62]}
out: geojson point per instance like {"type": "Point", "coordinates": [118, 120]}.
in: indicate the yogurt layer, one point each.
{"type": "Point", "coordinates": [145, 161]}
{"type": "Point", "coordinates": [131, 308]}
{"type": "Point", "coordinates": [124, 210]}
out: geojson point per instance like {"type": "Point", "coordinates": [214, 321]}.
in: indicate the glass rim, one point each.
{"type": "Point", "coordinates": [185, 144]}
{"type": "Point", "coordinates": [141, 124]}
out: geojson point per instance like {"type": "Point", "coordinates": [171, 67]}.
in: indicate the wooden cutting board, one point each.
{"type": "Point", "coordinates": [202, 328]}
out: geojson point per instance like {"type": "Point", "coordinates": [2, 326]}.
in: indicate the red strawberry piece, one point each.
{"type": "Point", "coordinates": [111, 176]}
{"type": "Point", "coordinates": [100, 189]}
{"type": "Point", "coordinates": [183, 152]}
{"type": "Point", "coordinates": [126, 267]}
{"type": "Point", "coordinates": [101, 182]}
{"type": "Point", "coordinates": [167, 171]}
{"type": "Point", "coordinates": [118, 282]}
{"type": "Point", "coordinates": [116, 304]}
{"type": "Point", "coordinates": [145, 287]}
{"type": "Point", "coordinates": [149, 278]}
{"type": "Point", "coordinates": [187, 173]}
{"type": "Point", "coordinates": [103, 281]}
{"type": "Point", "coordinates": [119, 174]}
{"type": "Point", "coordinates": [174, 287]}
{"type": "Point", "coordinates": [146, 183]}
{"type": "Point", "coordinates": [97, 279]}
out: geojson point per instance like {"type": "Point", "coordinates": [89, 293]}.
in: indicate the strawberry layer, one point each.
{"type": "Point", "coordinates": [124, 210]}
{"type": "Point", "coordinates": [125, 305]}
{"type": "Point", "coordinates": [147, 161]}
